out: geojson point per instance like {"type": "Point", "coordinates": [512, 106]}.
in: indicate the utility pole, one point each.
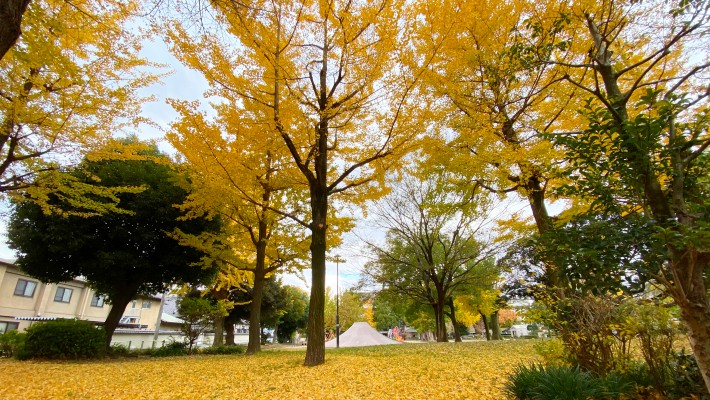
{"type": "Point", "coordinates": [337, 302]}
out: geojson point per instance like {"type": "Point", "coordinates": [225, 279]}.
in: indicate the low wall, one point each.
{"type": "Point", "coordinates": [133, 339]}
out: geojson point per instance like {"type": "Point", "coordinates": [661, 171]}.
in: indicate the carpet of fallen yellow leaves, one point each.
{"type": "Point", "coordinates": [474, 370]}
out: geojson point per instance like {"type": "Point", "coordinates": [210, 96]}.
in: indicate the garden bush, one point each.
{"type": "Point", "coordinates": [64, 339]}
{"type": "Point", "coordinates": [539, 382]}
{"type": "Point", "coordinates": [552, 351]}
{"type": "Point", "coordinates": [11, 343]}
{"type": "Point", "coordinates": [687, 379]}
{"type": "Point", "coordinates": [222, 350]}
{"type": "Point", "coordinates": [171, 349]}
{"type": "Point", "coordinates": [119, 350]}
{"type": "Point", "coordinates": [593, 331]}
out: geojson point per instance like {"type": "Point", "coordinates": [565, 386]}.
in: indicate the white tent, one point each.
{"type": "Point", "coordinates": [361, 334]}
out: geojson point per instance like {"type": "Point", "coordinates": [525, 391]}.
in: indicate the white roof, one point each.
{"type": "Point", "coordinates": [359, 335]}
{"type": "Point", "coordinates": [167, 318]}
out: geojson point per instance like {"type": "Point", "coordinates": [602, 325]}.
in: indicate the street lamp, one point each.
{"type": "Point", "coordinates": [337, 300]}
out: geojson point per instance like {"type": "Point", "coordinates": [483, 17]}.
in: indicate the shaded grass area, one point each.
{"type": "Point", "coordinates": [413, 371]}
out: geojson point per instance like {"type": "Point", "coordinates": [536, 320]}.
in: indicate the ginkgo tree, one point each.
{"type": "Point", "coordinates": [68, 84]}
{"type": "Point", "coordinates": [242, 177]}
{"type": "Point", "coordinates": [495, 98]}
{"type": "Point", "coordinates": [326, 74]}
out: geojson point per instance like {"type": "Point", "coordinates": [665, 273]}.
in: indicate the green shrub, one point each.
{"type": "Point", "coordinates": [522, 381]}
{"type": "Point", "coordinates": [615, 386]}
{"type": "Point", "coordinates": [11, 342]}
{"type": "Point", "coordinates": [656, 331]}
{"type": "Point", "coordinates": [687, 379]}
{"type": "Point", "coordinates": [637, 372]}
{"type": "Point", "coordinates": [144, 352]}
{"type": "Point", "coordinates": [538, 382]}
{"type": "Point", "coordinates": [171, 349]}
{"type": "Point", "coordinates": [119, 350]}
{"type": "Point", "coordinates": [64, 339]}
{"type": "Point", "coordinates": [566, 383]}
{"type": "Point", "coordinates": [223, 350]}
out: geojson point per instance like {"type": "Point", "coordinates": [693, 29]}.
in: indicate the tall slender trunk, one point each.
{"type": "Point", "coordinates": [118, 307]}
{"type": "Point", "coordinates": [315, 350]}
{"type": "Point", "coordinates": [260, 241]}
{"type": "Point", "coordinates": [452, 317]}
{"type": "Point", "coordinates": [318, 186]}
{"type": "Point", "coordinates": [485, 325]}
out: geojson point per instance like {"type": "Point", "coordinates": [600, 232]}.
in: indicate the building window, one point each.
{"type": "Point", "coordinates": [63, 295]}
{"type": "Point", "coordinates": [129, 320]}
{"type": "Point", "coordinates": [25, 288]}
{"type": "Point", "coordinates": [134, 304]}
{"type": "Point", "coordinates": [146, 304]}
{"type": "Point", "coordinates": [8, 326]}
{"type": "Point", "coordinates": [97, 301]}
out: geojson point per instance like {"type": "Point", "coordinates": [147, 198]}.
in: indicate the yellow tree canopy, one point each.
{"type": "Point", "coordinates": [495, 96]}
{"type": "Point", "coordinates": [68, 85]}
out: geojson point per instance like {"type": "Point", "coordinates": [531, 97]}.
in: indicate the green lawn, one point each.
{"type": "Point", "coordinates": [474, 370]}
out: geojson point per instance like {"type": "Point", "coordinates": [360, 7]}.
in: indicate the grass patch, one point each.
{"type": "Point", "coordinates": [438, 370]}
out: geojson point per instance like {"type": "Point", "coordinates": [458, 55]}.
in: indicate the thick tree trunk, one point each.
{"type": "Point", "coordinates": [11, 12]}
{"type": "Point", "coordinates": [254, 345]}
{"type": "Point", "coordinates": [218, 332]}
{"type": "Point", "coordinates": [452, 317]}
{"type": "Point", "coordinates": [495, 327]}
{"type": "Point", "coordinates": [485, 326]}
{"type": "Point", "coordinates": [690, 293]}
{"type": "Point", "coordinates": [229, 335]}
{"type": "Point", "coordinates": [315, 350]}
{"type": "Point", "coordinates": [440, 318]}
{"type": "Point", "coordinates": [118, 306]}
{"type": "Point", "coordinates": [697, 317]}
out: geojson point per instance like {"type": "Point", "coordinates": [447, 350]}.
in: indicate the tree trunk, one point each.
{"type": "Point", "coordinates": [260, 243]}
{"type": "Point", "coordinates": [452, 317]}
{"type": "Point", "coordinates": [439, 316]}
{"type": "Point", "coordinates": [692, 300]}
{"type": "Point", "coordinates": [218, 332]}
{"type": "Point", "coordinates": [11, 12]}
{"type": "Point", "coordinates": [495, 327]}
{"type": "Point", "coordinates": [254, 345]}
{"type": "Point", "coordinates": [485, 326]}
{"type": "Point", "coordinates": [315, 350]}
{"type": "Point", "coordinates": [118, 307]}
{"type": "Point", "coordinates": [229, 336]}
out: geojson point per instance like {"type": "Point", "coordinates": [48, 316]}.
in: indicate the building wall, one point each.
{"type": "Point", "coordinates": [133, 339]}
{"type": "Point", "coordinates": [143, 311]}
{"type": "Point", "coordinates": [45, 301]}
